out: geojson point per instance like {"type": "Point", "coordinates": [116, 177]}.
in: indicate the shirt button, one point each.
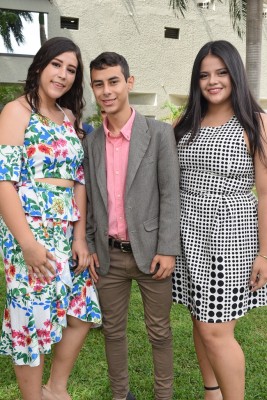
{"type": "Point", "coordinates": [117, 172]}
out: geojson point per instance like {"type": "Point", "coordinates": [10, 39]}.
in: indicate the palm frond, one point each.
{"type": "Point", "coordinates": [179, 6]}
{"type": "Point", "coordinates": [238, 14]}
{"type": "Point", "coordinates": [11, 23]}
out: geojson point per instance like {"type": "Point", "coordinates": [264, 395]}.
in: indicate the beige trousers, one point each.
{"type": "Point", "coordinates": [114, 293]}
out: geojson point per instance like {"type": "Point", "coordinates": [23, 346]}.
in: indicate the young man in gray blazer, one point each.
{"type": "Point", "coordinates": [132, 179]}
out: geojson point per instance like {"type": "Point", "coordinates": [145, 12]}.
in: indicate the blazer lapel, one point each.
{"type": "Point", "coordinates": [99, 155]}
{"type": "Point", "coordinates": [140, 139]}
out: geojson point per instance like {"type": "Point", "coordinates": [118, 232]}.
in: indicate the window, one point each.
{"type": "Point", "coordinates": [32, 25]}
{"type": "Point", "coordinates": [263, 103]}
{"type": "Point", "coordinates": [204, 5]}
{"type": "Point", "coordinates": [69, 23]}
{"type": "Point", "coordinates": [146, 99]}
{"type": "Point", "coordinates": [172, 33]}
{"type": "Point", "coordinates": [178, 100]}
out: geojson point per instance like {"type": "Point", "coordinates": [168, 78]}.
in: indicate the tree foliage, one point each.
{"type": "Point", "coordinates": [174, 112]}
{"type": "Point", "coordinates": [237, 12]}
{"type": "Point", "coordinates": [95, 119]}
{"type": "Point", "coordinates": [238, 15]}
{"type": "Point", "coordinates": [11, 22]}
{"type": "Point", "coordinates": [9, 92]}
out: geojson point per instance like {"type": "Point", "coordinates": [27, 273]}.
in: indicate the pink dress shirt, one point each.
{"type": "Point", "coordinates": [117, 153]}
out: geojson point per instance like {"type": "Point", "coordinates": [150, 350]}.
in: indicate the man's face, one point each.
{"type": "Point", "coordinates": [111, 90]}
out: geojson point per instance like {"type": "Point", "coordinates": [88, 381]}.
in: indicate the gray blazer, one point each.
{"type": "Point", "coordinates": [151, 194]}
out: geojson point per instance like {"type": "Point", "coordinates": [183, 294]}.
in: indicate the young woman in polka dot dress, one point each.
{"type": "Point", "coordinates": [222, 272]}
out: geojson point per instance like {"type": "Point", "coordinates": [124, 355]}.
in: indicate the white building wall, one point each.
{"type": "Point", "coordinates": [135, 29]}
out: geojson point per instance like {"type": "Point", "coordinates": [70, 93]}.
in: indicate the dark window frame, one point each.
{"type": "Point", "coordinates": [171, 33]}
{"type": "Point", "coordinates": [69, 23]}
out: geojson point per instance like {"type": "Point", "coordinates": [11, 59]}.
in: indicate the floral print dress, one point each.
{"type": "Point", "coordinates": [35, 313]}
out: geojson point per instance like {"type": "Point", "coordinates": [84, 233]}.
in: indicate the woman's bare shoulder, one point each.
{"type": "Point", "coordinates": [69, 114]}
{"type": "Point", "coordinates": [20, 106]}
{"type": "Point", "coordinates": [263, 121]}
{"type": "Point", "coordinates": [14, 119]}
{"type": "Point", "coordinates": [264, 117]}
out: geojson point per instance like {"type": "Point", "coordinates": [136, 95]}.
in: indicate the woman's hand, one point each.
{"type": "Point", "coordinates": [258, 276]}
{"type": "Point", "coordinates": [81, 253]}
{"type": "Point", "coordinates": [37, 260]}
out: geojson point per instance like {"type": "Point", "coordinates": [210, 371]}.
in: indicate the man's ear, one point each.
{"type": "Point", "coordinates": [130, 82]}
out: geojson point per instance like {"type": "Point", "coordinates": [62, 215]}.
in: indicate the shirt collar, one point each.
{"type": "Point", "coordinates": [126, 130]}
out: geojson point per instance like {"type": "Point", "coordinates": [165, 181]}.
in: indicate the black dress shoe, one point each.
{"type": "Point", "coordinates": [130, 396]}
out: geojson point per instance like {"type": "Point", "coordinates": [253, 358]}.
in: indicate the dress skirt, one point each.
{"type": "Point", "coordinates": [35, 313]}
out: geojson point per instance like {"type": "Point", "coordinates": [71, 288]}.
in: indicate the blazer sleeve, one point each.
{"type": "Point", "coordinates": [168, 180]}
{"type": "Point", "coordinates": [90, 226]}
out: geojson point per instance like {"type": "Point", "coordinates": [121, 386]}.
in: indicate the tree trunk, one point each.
{"type": "Point", "coordinates": [43, 38]}
{"type": "Point", "coordinates": [253, 45]}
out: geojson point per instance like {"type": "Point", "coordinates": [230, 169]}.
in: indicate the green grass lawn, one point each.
{"type": "Point", "coordinates": [89, 377]}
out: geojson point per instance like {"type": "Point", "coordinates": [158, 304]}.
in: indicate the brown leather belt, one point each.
{"type": "Point", "coordinates": [122, 245]}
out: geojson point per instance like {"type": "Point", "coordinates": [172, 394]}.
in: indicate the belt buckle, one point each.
{"type": "Point", "coordinates": [122, 248]}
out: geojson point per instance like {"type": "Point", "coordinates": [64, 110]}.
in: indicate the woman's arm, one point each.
{"type": "Point", "coordinates": [259, 272]}
{"type": "Point", "coordinates": [79, 246]}
{"type": "Point", "coordinates": [13, 122]}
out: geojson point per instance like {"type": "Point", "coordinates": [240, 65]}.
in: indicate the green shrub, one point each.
{"type": "Point", "coordinates": [174, 112]}
{"type": "Point", "coordinates": [96, 118]}
{"type": "Point", "coordinates": [9, 92]}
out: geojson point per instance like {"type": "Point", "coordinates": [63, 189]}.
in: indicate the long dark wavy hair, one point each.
{"type": "Point", "coordinates": [246, 109]}
{"type": "Point", "coordinates": [73, 99]}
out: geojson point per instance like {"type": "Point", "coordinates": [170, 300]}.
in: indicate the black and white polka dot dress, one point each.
{"type": "Point", "coordinates": [218, 226]}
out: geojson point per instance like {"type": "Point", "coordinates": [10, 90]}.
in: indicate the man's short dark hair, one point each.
{"type": "Point", "coordinates": [110, 59]}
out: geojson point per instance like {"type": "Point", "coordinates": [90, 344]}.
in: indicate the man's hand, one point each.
{"type": "Point", "coordinates": [162, 266]}
{"type": "Point", "coordinates": [94, 263]}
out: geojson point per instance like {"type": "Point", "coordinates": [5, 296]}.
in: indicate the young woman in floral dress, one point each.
{"type": "Point", "coordinates": [42, 223]}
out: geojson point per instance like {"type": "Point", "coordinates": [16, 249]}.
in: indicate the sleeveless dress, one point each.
{"type": "Point", "coordinates": [219, 227]}
{"type": "Point", "coordinates": [35, 313]}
